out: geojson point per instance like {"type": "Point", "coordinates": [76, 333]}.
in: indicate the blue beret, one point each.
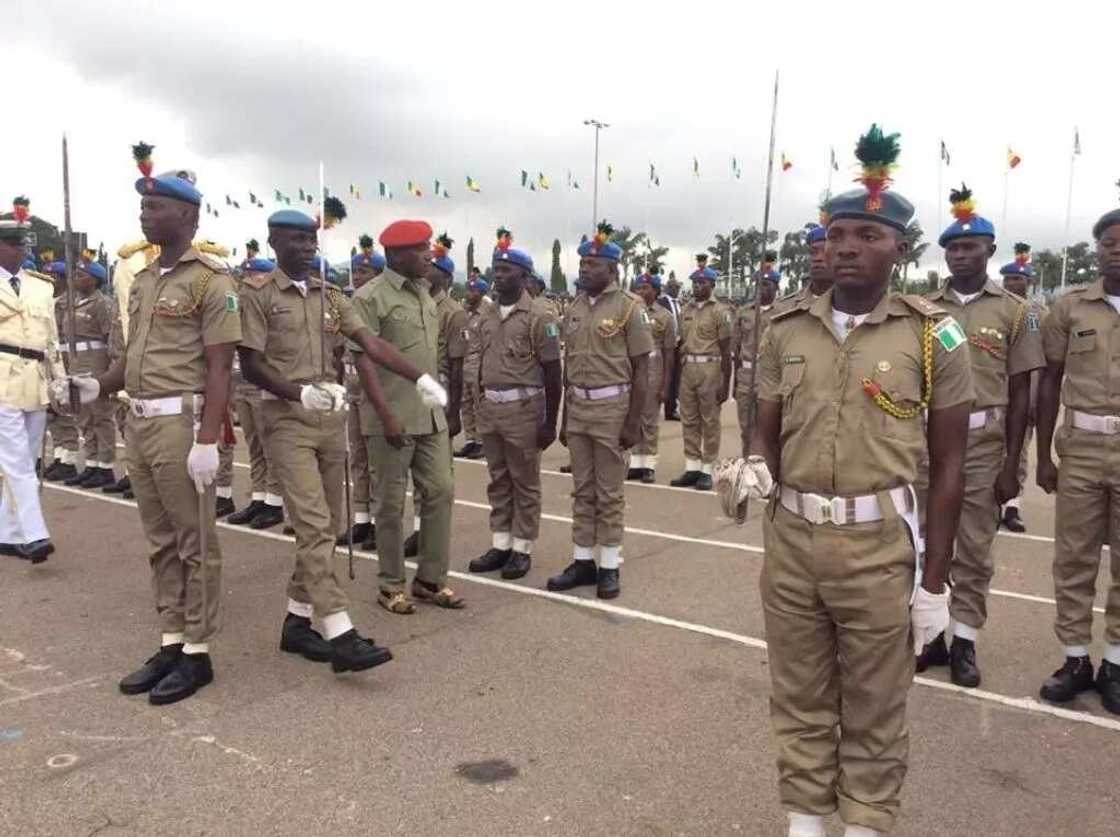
{"type": "Point", "coordinates": [704, 273]}
{"type": "Point", "coordinates": [895, 211]}
{"type": "Point", "coordinates": [1017, 269]}
{"type": "Point", "coordinates": [94, 269]}
{"type": "Point", "coordinates": [592, 249]}
{"type": "Point", "coordinates": [514, 256]}
{"type": "Point", "coordinates": [651, 279]}
{"type": "Point", "coordinates": [260, 265]}
{"type": "Point", "coordinates": [816, 234]}
{"type": "Point", "coordinates": [773, 275]}
{"type": "Point", "coordinates": [374, 260]}
{"type": "Point", "coordinates": [479, 285]}
{"type": "Point", "coordinates": [972, 227]}
{"type": "Point", "coordinates": [29, 263]}
{"type": "Point", "coordinates": [170, 185]}
{"type": "Point", "coordinates": [1107, 220]}
{"type": "Point", "coordinates": [445, 264]}
{"type": "Point", "coordinates": [292, 219]}
{"type": "Point", "coordinates": [55, 268]}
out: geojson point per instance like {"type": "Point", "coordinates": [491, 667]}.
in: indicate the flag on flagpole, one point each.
{"type": "Point", "coordinates": [228, 201]}
{"type": "Point", "coordinates": [543, 181]}
{"type": "Point", "coordinates": [1076, 142]}
{"type": "Point", "coordinates": [236, 205]}
{"type": "Point", "coordinates": [414, 190]}
{"type": "Point", "coordinates": [357, 194]}
{"type": "Point", "coordinates": [944, 153]}
{"type": "Point", "coordinates": [524, 178]}
{"type": "Point", "coordinates": [610, 173]}
{"type": "Point", "coordinates": [278, 197]}
{"type": "Point", "coordinates": [787, 163]}
{"type": "Point", "coordinates": [569, 178]}
{"type": "Point", "coordinates": [252, 199]}
{"type": "Point", "coordinates": [351, 188]}
{"type": "Point", "coordinates": [472, 184]}
{"type": "Point", "coordinates": [436, 190]}
{"type": "Point", "coordinates": [695, 167]}
{"type": "Point", "coordinates": [652, 173]}
{"type": "Point", "coordinates": [832, 158]}
{"type": "Point", "coordinates": [1014, 159]}
{"type": "Point", "coordinates": [735, 170]}
{"type": "Point", "coordinates": [532, 186]}
{"type": "Point", "coordinates": [302, 195]}
{"type": "Point", "coordinates": [575, 184]}
{"type": "Point", "coordinates": [382, 191]}
{"type": "Point", "coordinates": [445, 194]}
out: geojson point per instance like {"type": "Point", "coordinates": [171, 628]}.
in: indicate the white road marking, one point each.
{"type": "Point", "coordinates": [1024, 704]}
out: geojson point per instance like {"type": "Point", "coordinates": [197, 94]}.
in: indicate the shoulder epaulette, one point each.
{"type": "Point", "coordinates": [257, 280]}
{"type": "Point", "coordinates": [43, 276]}
{"type": "Point", "coordinates": [212, 262]}
{"type": "Point", "coordinates": [786, 313]}
{"type": "Point", "coordinates": [127, 251]}
{"type": "Point", "coordinates": [211, 248]}
{"type": "Point", "coordinates": [922, 305]}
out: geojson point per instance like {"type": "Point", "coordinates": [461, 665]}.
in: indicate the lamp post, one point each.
{"type": "Point", "coordinates": [598, 125]}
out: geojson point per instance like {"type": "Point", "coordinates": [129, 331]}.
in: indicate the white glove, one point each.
{"type": "Point", "coordinates": [202, 465]}
{"type": "Point", "coordinates": [324, 397]}
{"type": "Point", "coordinates": [929, 616]}
{"type": "Point", "coordinates": [431, 392]}
{"type": "Point", "coordinates": [738, 481]}
{"type": "Point", "coordinates": [88, 389]}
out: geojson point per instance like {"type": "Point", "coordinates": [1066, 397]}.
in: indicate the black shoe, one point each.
{"type": "Point", "coordinates": [576, 574]}
{"type": "Point", "coordinates": [465, 449]}
{"type": "Point", "coordinates": [477, 451]}
{"type": "Point", "coordinates": [298, 637]}
{"type": "Point", "coordinates": [412, 545]}
{"type": "Point", "coordinates": [686, 480]}
{"type": "Point", "coordinates": [634, 473]}
{"type": "Point", "coordinates": [935, 653]}
{"type": "Point", "coordinates": [51, 473]}
{"type": "Point", "coordinates": [102, 478]}
{"type": "Point", "coordinates": [672, 416]}
{"type": "Point", "coordinates": [648, 476]}
{"type": "Point", "coordinates": [1075, 676]}
{"type": "Point", "coordinates": [370, 543]}
{"type": "Point", "coordinates": [358, 532]}
{"type": "Point", "coordinates": [493, 559]}
{"type": "Point", "coordinates": [353, 652]}
{"type": "Point", "coordinates": [63, 472]}
{"type": "Point", "coordinates": [37, 551]}
{"type": "Point", "coordinates": [224, 506]}
{"type": "Point", "coordinates": [127, 494]}
{"type": "Point", "coordinates": [565, 469]}
{"type": "Point", "coordinates": [157, 667]}
{"type": "Point", "coordinates": [121, 486]}
{"type": "Point", "coordinates": [191, 673]}
{"type": "Point", "coordinates": [11, 549]}
{"type": "Point", "coordinates": [246, 515]}
{"type": "Point", "coordinates": [78, 480]}
{"type": "Point", "coordinates": [704, 483]}
{"type": "Point", "coordinates": [518, 566]}
{"type": "Point", "coordinates": [1108, 684]}
{"type": "Point", "coordinates": [288, 530]}
{"type": "Point", "coordinates": [609, 586]}
{"type": "Point", "coordinates": [1011, 520]}
{"type": "Point", "coordinates": [269, 516]}
{"type": "Point", "coordinates": [963, 670]}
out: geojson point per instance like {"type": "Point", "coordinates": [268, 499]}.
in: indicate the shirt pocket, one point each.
{"type": "Point", "coordinates": [903, 389]}
{"type": "Point", "coordinates": [405, 329]}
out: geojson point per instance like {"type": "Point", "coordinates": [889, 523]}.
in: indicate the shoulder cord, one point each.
{"type": "Point", "coordinates": [198, 291]}
{"type": "Point", "coordinates": [883, 400]}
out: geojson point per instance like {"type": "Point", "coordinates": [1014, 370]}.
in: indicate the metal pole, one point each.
{"type": "Point", "coordinates": [1069, 211]}
{"type": "Point", "coordinates": [68, 248]}
{"type": "Point", "coordinates": [595, 196]}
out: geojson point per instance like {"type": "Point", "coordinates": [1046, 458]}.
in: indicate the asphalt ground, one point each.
{"type": "Point", "coordinates": [527, 713]}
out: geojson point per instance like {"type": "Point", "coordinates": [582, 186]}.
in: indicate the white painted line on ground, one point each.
{"type": "Point", "coordinates": [1025, 704]}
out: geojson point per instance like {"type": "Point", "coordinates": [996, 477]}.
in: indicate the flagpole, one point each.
{"type": "Point", "coordinates": [1006, 186]}
{"type": "Point", "coordinates": [1069, 211]}
{"type": "Point", "coordinates": [598, 125]}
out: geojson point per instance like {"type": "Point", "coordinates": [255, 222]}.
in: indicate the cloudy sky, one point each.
{"type": "Point", "coordinates": [253, 95]}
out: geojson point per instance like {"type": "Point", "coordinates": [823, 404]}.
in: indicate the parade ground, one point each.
{"type": "Point", "coordinates": [528, 713]}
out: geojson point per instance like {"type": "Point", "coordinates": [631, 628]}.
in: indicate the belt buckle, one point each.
{"type": "Point", "coordinates": [137, 408]}
{"type": "Point", "coordinates": [817, 508]}
{"type": "Point", "coordinates": [1112, 424]}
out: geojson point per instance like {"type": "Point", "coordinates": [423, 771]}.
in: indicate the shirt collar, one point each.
{"type": "Point", "coordinates": [1095, 290]}
{"type": "Point", "coordinates": [821, 308]}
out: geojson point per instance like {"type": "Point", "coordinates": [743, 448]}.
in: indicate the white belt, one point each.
{"type": "Point", "coordinates": [600, 393]}
{"type": "Point", "coordinates": [502, 396]}
{"type": "Point", "coordinates": [84, 346]}
{"type": "Point", "coordinates": [1095, 424]}
{"type": "Point", "coordinates": [702, 358]}
{"type": "Point", "coordinates": [818, 509]}
{"type": "Point", "coordinates": [654, 354]}
{"type": "Point", "coordinates": [172, 405]}
{"type": "Point", "coordinates": [350, 369]}
{"type": "Point", "coordinates": [980, 417]}
{"type": "Point", "coordinates": [747, 364]}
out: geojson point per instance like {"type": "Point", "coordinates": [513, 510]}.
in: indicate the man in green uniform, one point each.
{"type": "Point", "coordinates": [743, 342]}
{"type": "Point", "coordinates": [1081, 337]}
{"type": "Point", "coordinates": [643, 456]}
{"type": "Point", "coordinates": [476, 304]}
{"type": "Point", "coordinates": [399, 309]}
{"type": "Point", "coordinates": [705, 373]}
{"type": "Point", "coordinates": [287, 350]}
{"type": "Point", "coordinates": [520, 380]}
{"type": "Point", "coordinates": [842, 387]}
{"type": "Point", "coordinates": [607, 342]}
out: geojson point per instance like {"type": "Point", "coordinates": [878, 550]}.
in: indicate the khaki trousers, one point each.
{"type": "Point", "coordinates": [836, 604]}
{"type": "Point", "coordinates": [224, 479]}
{"type": "Point", "coordinates": [96, 424]}
{"type": "Point", "coordinates": [169, 512]}
{"type": "Point", "coordinates": [509, 437]}
{"type": "Point", "coordinates": [651, 411]}
{"type": "Point", "coordinates": [745, 404]}
{"type": "Point", "coordinates": [428, 459]}
{"type": "Point", "coordinates": [307, 451]}
{"type": "Point", "coordinates": [700, 411]}
{"type": "Point", "coordinates": [64, 432]}
{"type": "Point", "coordinates": [120, 415]}
{"type": "Point", "coordinates": [1086, 517]}
{"type": "Point", "coordinates": [361, 475]}
{"type": "Point", "coordinates": [471, 404]}
{"type": "Point", "coordinates": [598, 469]}
{"type": "Point", "coordinates": [251, 417]}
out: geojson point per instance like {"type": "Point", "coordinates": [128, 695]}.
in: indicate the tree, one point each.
{"type": "Point", "coordinates": [914, 235]}
{"type": "Point", "coordinates": [470, 255]}
{"type": "Point", "coordinates": [1082, 266]}
{"type": "Point", "coordinates": [747, 257]}
{"type": "Point", "coordinates": [559, 282]}
{"type": "Point", "coordinates": [628, 241]}
{"type": "Point", "coordinates": [795, 256]}
{"type": "Point", "coordinates": [653, 258]}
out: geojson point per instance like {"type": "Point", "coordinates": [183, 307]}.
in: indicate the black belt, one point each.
{"type": "Point", "coordinates": [30, 354]}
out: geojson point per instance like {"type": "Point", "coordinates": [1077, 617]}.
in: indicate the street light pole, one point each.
{"type": "Point", "coordinates": [598, 125]}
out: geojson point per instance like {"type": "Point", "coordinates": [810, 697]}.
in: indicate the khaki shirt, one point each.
{"type": "Point", "coordinates": [1083, 331]}
{"type": "Point", "coordinates": [802, 296]}
{"type": "Point", "coordinates": [27, 322]}
{"type": "Point", "coordinates": [600, 338]}
{"type": "Point", "coordinates": [663, 329]}
{"type": "Point", "coordinates": [703, 326]}
{"type": "Point", "coordinates": [283, 323]}
{"type": "Point", "coordinates": [742, 331]}
{"type": "Point", "coordinates": [835, 439]}
{"type": "Point", "coordinates": [513, 349]}
{"type": "Point", "coordinates": [1005, 338]}
{"type": "Point", "coordinates": [402, 312]}
{"type": "Point", "coordinates": [471, 337]}
{"type": "Point", "coordinates": [93, 320]}
{"type": "Point", "coordinates": [172, 318]}
{"type": "Point", "coordinates": [452, 323]}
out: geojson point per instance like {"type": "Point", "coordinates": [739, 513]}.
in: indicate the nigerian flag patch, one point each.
{"type": "Point", "coordinates": [645, 318]}
{"type": "Point", "coordinates": [231, 303]}
{"type": "Point", "coordinates": [950, 334]}
{"type": "Point", "coordinates": [551, 331]}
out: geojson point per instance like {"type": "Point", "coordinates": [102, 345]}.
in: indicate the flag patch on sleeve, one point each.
{"type": "Point", "coordinates": [950, 334]}
{"type": "Point", "coordinates": [231, 303]}
{"type": "Point", "coordinates": [551, 331]}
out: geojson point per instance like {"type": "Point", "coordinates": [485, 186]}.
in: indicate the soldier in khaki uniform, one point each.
{"type": "Point", "coordinates": [183, 325]}
{"type": "Point", "coordinates": [1081, 337]}
{"type": "Point", "coordinates": [286, 352]}
{"type": "Point", "coordinates": [743, 346]}
{"type": "Point", "coordinates": [842, 387]}
{"type": "Point", "coordinates": [705, 373]}
{"type": "Point", "coordinates": [607, 342]}
{"type": "Point", "coordinates": [1005, 346]}
{"type": "Point", "coordinates": [820, 279]}
{"type": "Point", "coordinates": [520, 381]}
{"type": "Point", "coordinates": [475, 306]}
{"type": "Point", "coordinates": [643, 456]}
{"type": "Point", "coordinates": [66, 441]}
{"type": "Point", "coordinates": [399, 309]}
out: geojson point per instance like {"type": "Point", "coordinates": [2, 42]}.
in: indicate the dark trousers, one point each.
{"type": "Point", "coordinates": [674, 385]}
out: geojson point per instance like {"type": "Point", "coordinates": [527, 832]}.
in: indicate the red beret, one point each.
{"type": "Point", "coordinates": [406, 234]}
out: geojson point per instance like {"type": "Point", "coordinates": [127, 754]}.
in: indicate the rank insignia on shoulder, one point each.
{"type": "Point", "coordinates": [231, 303]}
{"type": "Point", "coordinates": [1032, 321]}
{"type": "Point", "coordinates": [551, 331]}
{"type": "Point", "coordinates": [793, 359]}
{"type": "Point", "coordinates": [949, 333]}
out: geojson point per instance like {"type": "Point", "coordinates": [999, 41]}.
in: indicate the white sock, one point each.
{"type": "Point", "coordinates": [1075, 651]}
{"type": "Point", "coordinates": [257, 497]}
{"type": "Point", "coordinates": [69, 457]}
{"type": "Point", "coordinates": [303, 609]}
{"type": "Point", "coordinates": [1013, 503]}
{"type": "Point", "coordinates": [706, 468]}
{"type": "Point", "coordinates": [501, 540]}
{"type": "Point", "coordinates": [582, 553]}
{"type": "Point", "coordinates": [805, 825]}
{"type": "Point", "coordinates": [965, 631]}
{"type": "Point", "coordinates": [224, 491]}
{"type": "Point", "coordinates": [336, 624]}
{"type": "Point", "coordinates": [692, 464]}
{"type": "Point", "coordinates": [861, 831]}
{"type": "Point", "coordinates": [273, 500]}
{"type": "Point", "coordinates": [171, 639]}
{"type": "Point", "coordinates": [416, 523]}
{"type": "Point", "coordinates": [651, 461]}
{"type": "Point", "coordinates": [636, 461]}
{"type": "Point", "coordinates": [60, 454]}
{"type": "Point", "coordinates": [196, 648]}
{"type": "Point", "coordinates": [1112, 654]}
{"type": "Point", "coordinates": [609, 557]}
{"type": "Point", "coordinates": [522, 545]}
{"type": "Point", "coordinates": [361, 517]}
{"type": "Point", "coordinates": [105, 466]}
